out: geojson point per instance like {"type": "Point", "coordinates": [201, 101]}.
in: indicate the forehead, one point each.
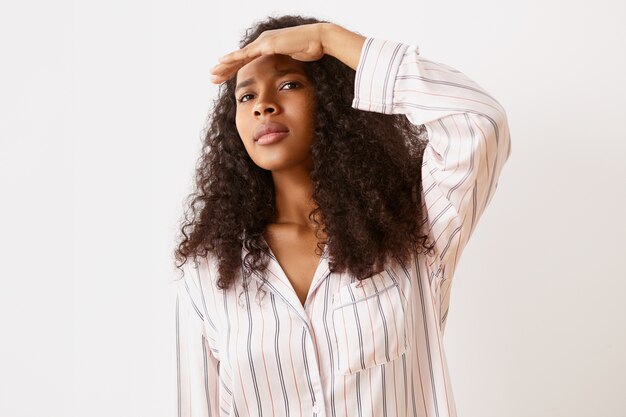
{"type": "Point", "coordinates": [267, 64]}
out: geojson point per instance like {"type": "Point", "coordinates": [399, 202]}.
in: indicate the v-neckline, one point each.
{"type": "Point", "coordinates": [285, 278]}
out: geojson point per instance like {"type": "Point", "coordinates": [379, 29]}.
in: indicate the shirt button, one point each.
{"type": "Point", "coordinates": [316, 408]}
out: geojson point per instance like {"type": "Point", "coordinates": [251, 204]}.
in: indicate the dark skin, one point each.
{"type": "Point", "coordinates": [287, 99]}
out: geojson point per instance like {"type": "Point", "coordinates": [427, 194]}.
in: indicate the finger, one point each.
{"type": "Point", "coordinates": [247, 53]}
{"type": "Point", "coordinates": [217, 79]}
{"type": "Point", "coordinates": [217, 69]}
{"type": "Point", "coordinates": [223, 72]}
{"type": "Point", "coordinates": [224, 69]}
{"type": "Point", "coordinates": [230, 63]}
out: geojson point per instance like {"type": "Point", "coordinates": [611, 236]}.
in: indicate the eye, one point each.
{"type": "Point", "coordinates": [291, 82]}
{"type": "Point", "coordinates": [241, 99]}
{"type": "Point", "coordinates": [295, 83]}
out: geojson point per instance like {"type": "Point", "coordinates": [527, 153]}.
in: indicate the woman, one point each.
{"type": "Point", "coordinates": [323, 139]}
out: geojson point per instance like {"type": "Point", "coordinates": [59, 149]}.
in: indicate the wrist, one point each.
{"type": "Point", "coordinates": [326, 34]}
{"type": "Point", "coordinates": [341, 43]}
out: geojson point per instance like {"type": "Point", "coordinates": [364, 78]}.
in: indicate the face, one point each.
{"type": "Point", "coordinates": [275, 88]}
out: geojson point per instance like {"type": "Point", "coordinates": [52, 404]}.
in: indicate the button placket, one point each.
{"type": "Point", "coordinates": [316, 380]}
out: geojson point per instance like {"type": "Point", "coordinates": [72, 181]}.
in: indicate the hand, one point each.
{"type": "Point", "coordinates": [303, 43]}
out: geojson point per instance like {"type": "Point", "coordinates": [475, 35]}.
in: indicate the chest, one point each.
{"type": "Point", "coordinates": [297, 257]}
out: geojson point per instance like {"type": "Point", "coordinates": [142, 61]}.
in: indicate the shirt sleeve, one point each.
{"type": "Point", "coordinates": [197, 367]}
{"type": "Point", "coordinates": [468, 135]}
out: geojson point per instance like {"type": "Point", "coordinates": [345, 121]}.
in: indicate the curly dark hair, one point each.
{"type": "Point", "coordinates": [366, 180]}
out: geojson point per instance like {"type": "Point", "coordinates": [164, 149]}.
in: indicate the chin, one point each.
{"type": "Point", "coordinates": [275, 164]}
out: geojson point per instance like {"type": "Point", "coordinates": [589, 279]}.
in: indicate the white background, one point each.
{"type": "Point", "coordinates": [102, 106]}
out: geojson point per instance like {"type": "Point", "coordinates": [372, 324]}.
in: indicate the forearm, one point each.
{"type": "Point", "coordinates": [342, 44]}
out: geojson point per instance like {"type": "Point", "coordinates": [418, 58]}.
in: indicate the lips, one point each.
{"type": "Point", "coordinates": [271, 127]}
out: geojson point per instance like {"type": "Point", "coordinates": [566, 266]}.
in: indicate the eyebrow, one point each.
{"type": "Point", "coordinates": [252, 80]}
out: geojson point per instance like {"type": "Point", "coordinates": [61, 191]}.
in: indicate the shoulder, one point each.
{"type": "Point", "coordinates": [200, 272]}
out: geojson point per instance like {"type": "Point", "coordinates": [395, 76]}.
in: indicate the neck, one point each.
{"type": "Point", "coordinates": [293, 197]}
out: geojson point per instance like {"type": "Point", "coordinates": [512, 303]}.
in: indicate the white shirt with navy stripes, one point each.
{"type": "Point", "coordinates": [374, 349]}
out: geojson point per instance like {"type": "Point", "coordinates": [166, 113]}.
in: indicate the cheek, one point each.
{"type": "Point", "coordinates": [311, 108]}
{"type": "Point", "coordinates": [310, 116]}
{"type": "Point", "coordinates": [240, 125]}
{"type": "Point", "coordinates": [305, 109]}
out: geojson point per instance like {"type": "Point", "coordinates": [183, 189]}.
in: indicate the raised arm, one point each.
{"type": "Point", "coordinates": [468, 133]}
{"type": "Point", "coordinates": [468, 142]}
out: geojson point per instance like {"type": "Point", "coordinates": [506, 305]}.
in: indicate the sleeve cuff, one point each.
{"type": "Point", "coordinates": [376, 74]}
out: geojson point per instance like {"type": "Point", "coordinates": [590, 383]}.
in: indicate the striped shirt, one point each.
{"type": "Point", "coordinates": [372, 348]}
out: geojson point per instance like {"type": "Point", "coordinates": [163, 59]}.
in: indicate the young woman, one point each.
{"type": "Point", "coordinates": [343, 175]}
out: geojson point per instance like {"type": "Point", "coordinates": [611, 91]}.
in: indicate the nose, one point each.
{"type": "Point", "coordinates": [264, 109]}
{"type": "Point", "coordinates": [265, 104]}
